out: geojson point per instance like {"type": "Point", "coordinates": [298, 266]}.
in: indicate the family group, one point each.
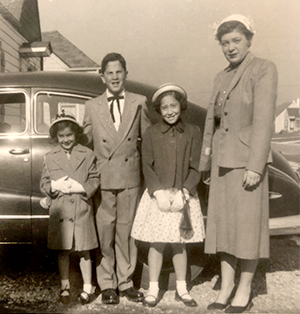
{"type": "Point", "coordinates": [93, 179]}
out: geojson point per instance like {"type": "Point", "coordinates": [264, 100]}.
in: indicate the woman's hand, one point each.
{"type": "Point", "coordinates": [251, 179]}
{"type": "Point", "coordinates": [162, 200]}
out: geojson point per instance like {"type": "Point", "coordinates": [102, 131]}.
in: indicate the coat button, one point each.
{"type": "Point", "coordinates": [126, 159]}
{"type": "Point", "coordinates": [226, 129]}
{"type": "Point", "coordinates": [225, 113]}
{"type": "Point", "coordinates": [109, 158]}
{"type": "Point", "coordinates": [72, 200]}
{"type": "Point", "coordinates": [129, 139]}
{"type": "Point", "coordinates": [71, 219]}
{"type": "Point", "coordinates": [61, 220]}
{"type": "Point", "coordinates": [104, 141]}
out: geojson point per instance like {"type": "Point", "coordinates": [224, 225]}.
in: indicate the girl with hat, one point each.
{"type": "Point", "coordinates": [70, 178]}
{"type": "Point", "coordinates": [236, 150]}
{"type": "Point", "coordinates": [170, 159]}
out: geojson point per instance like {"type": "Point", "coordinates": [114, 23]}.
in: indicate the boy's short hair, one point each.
{"type": "Point", "coordinates": [113, 56]}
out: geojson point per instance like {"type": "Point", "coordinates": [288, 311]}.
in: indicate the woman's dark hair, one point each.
{"type": "Point", "coordinates": [230, 26]}
{"type": "Point", "coordinates": [110, 58]}
{"type": "Point", "coordinates": [61, 125]}
{"type": "Point", "coordinates": [182, 100]}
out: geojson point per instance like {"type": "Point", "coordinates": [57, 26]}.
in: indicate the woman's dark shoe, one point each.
{"type": "Point", "coordinates": [64, 296]}
{"type": "Point", "coordinates": [240, 309]}
{"type": "Point", "coordinates": [148, 303]}
{"type": "Point", "coordinates": [222, 306]}
{"type": "Point", "coordinates": [187, 302]}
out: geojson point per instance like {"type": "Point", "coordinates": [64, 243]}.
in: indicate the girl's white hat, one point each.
{"type": "Point", "coordinates": [169, 87]}
{"type": "Point", "coordinates": [64, 116]}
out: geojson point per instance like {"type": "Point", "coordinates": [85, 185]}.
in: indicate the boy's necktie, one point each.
{"type": "Point", "coordinates": [115, 110]}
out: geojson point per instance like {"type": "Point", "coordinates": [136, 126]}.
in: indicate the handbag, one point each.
{"type": "Point", "coordinates": [185, 226]}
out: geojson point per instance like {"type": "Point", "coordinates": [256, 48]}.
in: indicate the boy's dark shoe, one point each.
{"type": "Point", "coordinates": [132, 295]}
{"type": "Point", "coordinates": [109, 296]}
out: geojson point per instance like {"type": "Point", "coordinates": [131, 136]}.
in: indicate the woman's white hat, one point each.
{"type": "Point", "coordinates": [247, 22]}
{"type": "Point", "coordinates": [64, 116]}
{"type": "Point", "coordinates": [169, 87]}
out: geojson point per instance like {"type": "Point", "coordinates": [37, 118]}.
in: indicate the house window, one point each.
{"type": "Point", "coordinates": [292, 124]}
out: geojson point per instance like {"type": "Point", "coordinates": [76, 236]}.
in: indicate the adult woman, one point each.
{"type": "Point", "coordinates": [236, 148]}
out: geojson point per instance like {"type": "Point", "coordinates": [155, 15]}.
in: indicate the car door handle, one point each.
{"type": "Point", "coordinates": [19, 151]}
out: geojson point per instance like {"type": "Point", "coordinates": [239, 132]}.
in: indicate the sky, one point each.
{"type": "Point", "coordinates": [173, 41]}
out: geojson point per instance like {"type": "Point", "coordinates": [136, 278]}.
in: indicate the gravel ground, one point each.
{"type": "Point", "coordinates": [29, 283]}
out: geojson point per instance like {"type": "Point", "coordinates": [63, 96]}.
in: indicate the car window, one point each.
{"type": "Point", "coordinates": [49, 104]}
{"type": "Point", "coordinates": [12, 112]}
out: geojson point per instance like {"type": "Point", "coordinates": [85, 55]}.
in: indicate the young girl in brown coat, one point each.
{"type": "Point", "coordinates": [69, 179]}
{"type": "Point", "coordinates": [170, 157]}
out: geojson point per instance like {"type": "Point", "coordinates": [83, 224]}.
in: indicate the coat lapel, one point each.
{"type": "Point", "coordinates": [61, 160]}
{"type": "Point", "coordinates": [240, 71]}
{"type": "Point", "coordinates": [104, 116]}
{"type": "Point", "coordinates": [128, 117]}
{"type": "Point", "coordinates": [77, 157]}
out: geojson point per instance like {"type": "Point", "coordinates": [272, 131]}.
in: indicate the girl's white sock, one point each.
{"type": "Point", "coordinates": [153, 290]}
{"type": "Point", "coordinates": [182, 290]}
{"type": "Point", "coordinates": [65, 284]}
{"type": "Point", "coordinates": [88, 288]}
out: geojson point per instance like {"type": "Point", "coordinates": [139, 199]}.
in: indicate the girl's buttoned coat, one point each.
{"type": "Point", "coordinates": [71, 222]}
{"type": "Point", "coordinates": [166, 167]}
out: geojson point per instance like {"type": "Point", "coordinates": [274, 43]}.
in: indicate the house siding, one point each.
{"type": "Point", "coordinates": [53, 63]}
{"type": "Point", "coordinates": [11, 41]}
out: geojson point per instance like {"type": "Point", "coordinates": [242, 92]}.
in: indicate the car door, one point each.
{"type": "Point", "coordinates": [15, 163]}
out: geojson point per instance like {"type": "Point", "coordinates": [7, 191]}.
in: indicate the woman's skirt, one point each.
{"type": "Point", "coordinates": [153, 225]}
{"type": "Point", "coordinates": [237, 219]}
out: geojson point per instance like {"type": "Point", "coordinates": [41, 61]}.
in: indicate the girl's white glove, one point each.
{"type": "Point", "coordinates": [63, 185]}
{"type": "Point", "coordinates": [76, 187]}
{"type": "Point", "coordinates": [178, 202]}
{"type": "Point", "coordinates": [162, 200]}
{"type": "Point", "coordinates": [186, 194]}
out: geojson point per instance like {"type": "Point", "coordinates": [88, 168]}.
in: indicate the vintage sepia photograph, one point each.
{"type": "Point", "coordinates": [149, 156]}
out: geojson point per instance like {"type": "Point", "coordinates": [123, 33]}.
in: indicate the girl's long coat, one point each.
{"type": "Point", "coordinates": [71, 223]}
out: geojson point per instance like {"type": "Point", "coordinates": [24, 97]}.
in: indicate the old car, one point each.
{"type": "Point", "coordinates": [29, 102]}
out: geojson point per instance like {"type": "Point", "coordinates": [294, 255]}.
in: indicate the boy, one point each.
{"type": "Point", "coordinates": [114, 123]}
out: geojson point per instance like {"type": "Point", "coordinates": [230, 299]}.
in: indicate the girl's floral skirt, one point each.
{"type": "Point", "coordinates": [153, 225]}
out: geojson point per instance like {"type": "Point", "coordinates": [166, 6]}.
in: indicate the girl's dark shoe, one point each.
{"type": "Point", "coordinates": [150, 303]}
{"type": "Point", "coordinates": [240, 309]}
{"type": "Point", "coordinates": [222, 306]}
{"type": "Point", "coordinates": [186, 302]}
{"type": "Point", "coordinates": [64, 296]}
{"type": "Point", "coordinates": [86, 298]}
